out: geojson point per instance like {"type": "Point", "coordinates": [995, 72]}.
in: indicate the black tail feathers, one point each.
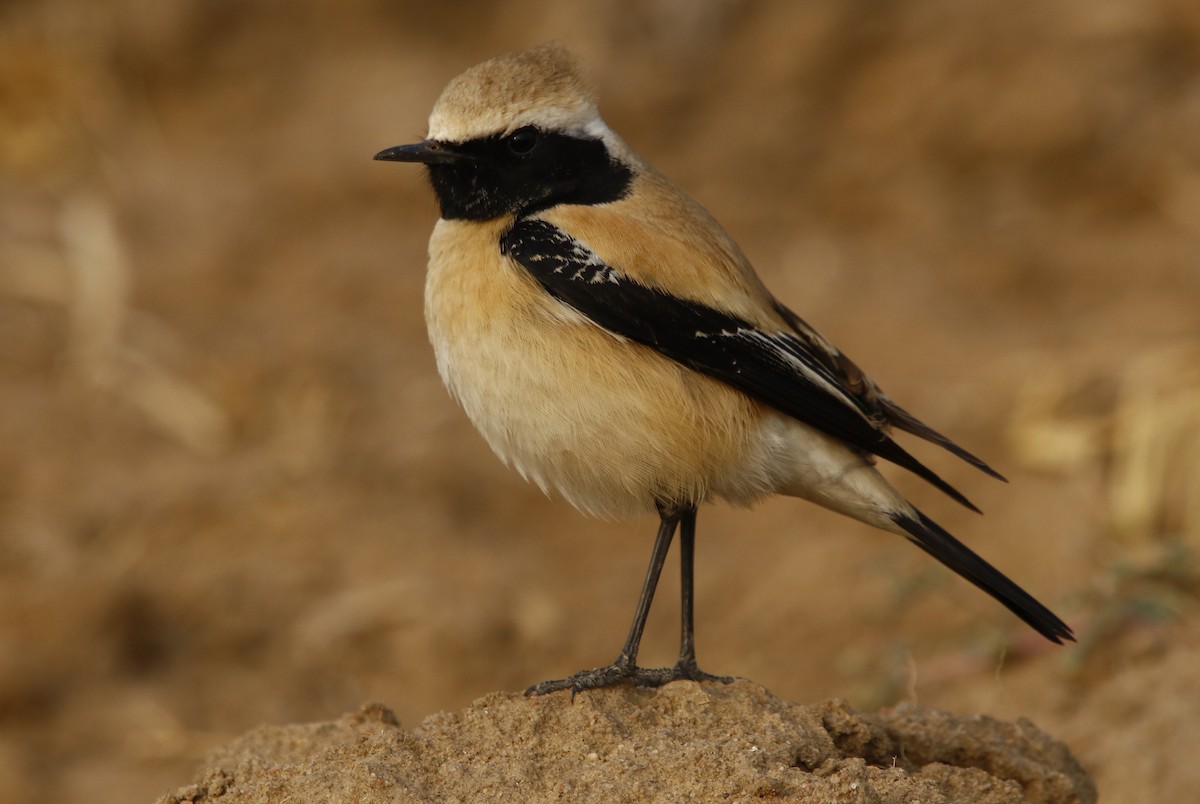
{"type": "Point", "coordinates": [933, 539]}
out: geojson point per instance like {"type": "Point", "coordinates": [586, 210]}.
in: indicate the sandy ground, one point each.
{"type": "Point", "coordinates": [233, 491]}
{"type": "Point", "coordinates": [684, 742]}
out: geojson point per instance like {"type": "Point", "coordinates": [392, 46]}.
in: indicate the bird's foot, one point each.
{"type": "Point", "coordinates": [613, 675]}
{"type": "Point", "coordinates": [686, 670]}
{"type": "Point", "coordinates": [625, 673]}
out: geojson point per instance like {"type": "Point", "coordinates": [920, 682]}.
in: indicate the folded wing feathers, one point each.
{"type": "Point", "coordinates": [797, 373]}
{"type": "Point", "coordinates": [868, 395]}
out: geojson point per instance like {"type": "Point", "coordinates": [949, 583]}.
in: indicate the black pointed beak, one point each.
{"type": "Point", "coordinates": [429, 152]}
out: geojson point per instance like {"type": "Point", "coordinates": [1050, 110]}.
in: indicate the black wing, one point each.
{"type": "Point", "coordinates": [868, 395]}
{"type": "Point", "coordinates": [777, 369]}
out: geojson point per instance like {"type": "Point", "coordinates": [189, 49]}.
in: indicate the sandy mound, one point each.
{"type": "Point", "coordinates": [682, 742]}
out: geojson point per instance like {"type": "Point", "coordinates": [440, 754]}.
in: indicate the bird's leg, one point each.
{"type": "Point", "coordinates": [625, 670]}
{"type": "Point", "coordinates": [686, 667]}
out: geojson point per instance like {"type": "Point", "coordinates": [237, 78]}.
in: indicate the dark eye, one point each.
{"type": "Point", "coordinates": [522, 141]}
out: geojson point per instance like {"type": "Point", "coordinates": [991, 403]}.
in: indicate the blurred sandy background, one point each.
{"type": "Point", "coordinates": [233, 490]}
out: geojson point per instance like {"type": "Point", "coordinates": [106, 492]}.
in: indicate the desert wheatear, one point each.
{"type": "Point", "coordinates": [612, 343]}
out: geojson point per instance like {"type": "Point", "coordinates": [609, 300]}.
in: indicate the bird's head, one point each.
{"type": "Point", "coordinates": [517, 134]}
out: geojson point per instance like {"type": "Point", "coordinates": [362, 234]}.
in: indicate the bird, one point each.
{"type": "Point", "coordinates": [613, 344]}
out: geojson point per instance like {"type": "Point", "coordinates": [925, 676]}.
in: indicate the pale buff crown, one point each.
{"type": "Point", "coordinates": [543, 86]}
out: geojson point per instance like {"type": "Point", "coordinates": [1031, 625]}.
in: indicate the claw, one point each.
{"type": "Point", "coordinates": [617, 674]}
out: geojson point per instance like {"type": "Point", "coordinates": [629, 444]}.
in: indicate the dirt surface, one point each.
{"type": "Point", "coordinates": [233, 491]}
{"type": "Point", "coordinates": [684, 742]}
